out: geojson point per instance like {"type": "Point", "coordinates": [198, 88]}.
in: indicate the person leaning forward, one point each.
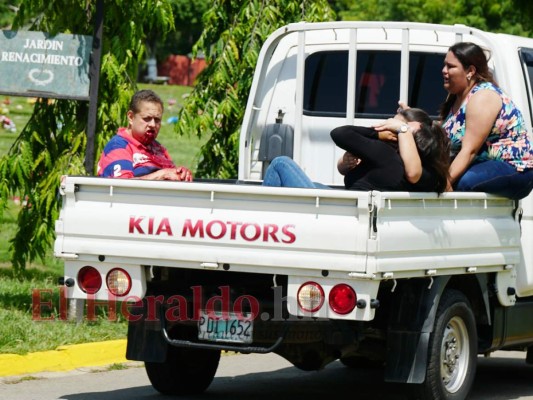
{"type": "Point", "coordinates": [134, 151]}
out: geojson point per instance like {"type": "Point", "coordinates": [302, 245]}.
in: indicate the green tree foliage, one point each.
{"type": "Point", "coordinates": [233, 34]}
{"type": "Point", "coordinates": [7, 12]}
{"type": "Point", "coordinates": [525, 12]}
{"type": "Point", "coordinates": [53, 142]}
{"type": "Point", "coordinates": [340, 6]}
{"type": "Point", "coordinates": [188, 27]}
{"type": "Point", "coordinates": [491, 15]}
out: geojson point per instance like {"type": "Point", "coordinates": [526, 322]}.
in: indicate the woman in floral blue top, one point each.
{"type": "Point", "coordinates": [491, 151]}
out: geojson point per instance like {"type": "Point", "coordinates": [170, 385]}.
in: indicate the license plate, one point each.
{"type": "Point", "coordinates": [213, 327]}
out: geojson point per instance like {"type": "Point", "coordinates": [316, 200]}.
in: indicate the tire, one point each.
{"type": "Point", "coordinates": [452, 352]}
{"type": "Point", "coordinates": [185, 371]}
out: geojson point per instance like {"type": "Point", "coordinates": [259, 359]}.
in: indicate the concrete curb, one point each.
{"type": "Point", "coordinates": [64, 358]}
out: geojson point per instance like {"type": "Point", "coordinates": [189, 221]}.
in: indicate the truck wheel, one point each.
{"type": "Point", "coordinates": [185, 371]}
{"type": "Point", "coordinates": [452, 352]}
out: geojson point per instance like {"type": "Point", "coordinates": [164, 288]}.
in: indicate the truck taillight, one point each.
{"type": "Point", "coordinates": [310, 297]}
{"type": "Point", "coordinates": [89, 280]}
{"type": "Point", "coordinates": [118, 282]}
{"type": "Point", "coordinates": [342, 299]}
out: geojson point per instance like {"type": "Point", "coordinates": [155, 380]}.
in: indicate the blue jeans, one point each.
{"type": "Point", "coordinates": [284, 172]}
{"type": "Point", "coordinates": [496, 177]}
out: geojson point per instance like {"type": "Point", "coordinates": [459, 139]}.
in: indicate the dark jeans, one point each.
{"type": "Point", "coordinates": [496, 177]}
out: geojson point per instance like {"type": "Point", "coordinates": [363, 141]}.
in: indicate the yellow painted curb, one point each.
{"type": "Point", "coordinates": [64, 358]}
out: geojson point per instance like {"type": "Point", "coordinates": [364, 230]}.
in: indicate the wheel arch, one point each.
{"type": "Point", "coordinates": [475, 288]}
{"type": "Point", "coordinates": [412, 319]}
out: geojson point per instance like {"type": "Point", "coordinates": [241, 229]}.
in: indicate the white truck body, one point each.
{"type": "Point", "coordinates": [413, 235]}
{"type": "Point", "coordinates": [408, 257]}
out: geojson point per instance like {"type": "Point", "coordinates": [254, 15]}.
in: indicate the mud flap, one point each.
{"type": "Point", "coordinates": [145, 338]}
{"type": "Point", "coordinates": [410, 327]}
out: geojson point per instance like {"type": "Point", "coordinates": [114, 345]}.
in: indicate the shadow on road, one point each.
{"type": "Point", "coordinates": [497, 379]}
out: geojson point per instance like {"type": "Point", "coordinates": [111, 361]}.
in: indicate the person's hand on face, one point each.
{"type": "Point", "coordinates": [392, 126]}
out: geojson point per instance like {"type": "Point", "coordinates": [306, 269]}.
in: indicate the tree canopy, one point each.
{"type": "Point", "coordinates": [490, 15]}
{"type": "Point", "coordinates": [188, 27]}
{"type": "Point", "coordinates": [8, 9]}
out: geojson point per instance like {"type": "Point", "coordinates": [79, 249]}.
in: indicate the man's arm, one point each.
{"type": "Point", "coordinates": [181, 174]}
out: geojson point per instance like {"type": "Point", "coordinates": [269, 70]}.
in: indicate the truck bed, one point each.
{"type": "Point", "coordinates": [369, 235]}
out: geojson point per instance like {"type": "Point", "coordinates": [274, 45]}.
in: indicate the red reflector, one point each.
{"type": "Point", "coordinates": [89, 280]}
{"type": "Point", "coordinates": [342, 299]}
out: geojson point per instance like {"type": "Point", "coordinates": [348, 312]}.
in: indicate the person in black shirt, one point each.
{"type": "Point", "coordinates": [406, 153]}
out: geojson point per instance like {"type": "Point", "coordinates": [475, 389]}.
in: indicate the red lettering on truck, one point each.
{"type": "Point", "coordinates": [135, 225]}
{"type": "Point", "coordinates": [215, 229]}
{"type": "Point", "coordinates": [291, 237]}
{"type": "Point", "coordinates": [233, 230]}
{"type": "Point", "coordinates": [188, 227]}
{"type": "Point", "coordinates": [139, 225]}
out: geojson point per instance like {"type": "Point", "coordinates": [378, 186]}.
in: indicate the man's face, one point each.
{"type": "Point", "coordinates": [146, 123]}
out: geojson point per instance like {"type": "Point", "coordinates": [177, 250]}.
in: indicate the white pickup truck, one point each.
{"type": "Point", "coordinates": [416, 283]}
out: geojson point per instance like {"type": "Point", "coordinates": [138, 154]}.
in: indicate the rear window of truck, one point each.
{"type": "Point", "coordinates": [377, 83]}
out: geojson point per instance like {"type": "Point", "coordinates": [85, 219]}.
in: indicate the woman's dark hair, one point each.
{"type": "Point", "coordinates": [433, 145]}
{"type": "Point", "coordinates": [469, 54]}
{"type": "Point", "coordinates": [416, 114]}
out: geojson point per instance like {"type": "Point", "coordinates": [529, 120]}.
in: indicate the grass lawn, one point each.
{"type": "Point", "coordinates": [19, 331]}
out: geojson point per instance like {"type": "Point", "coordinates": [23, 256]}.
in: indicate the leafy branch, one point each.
{"type": "Point", "coordinates": [54, 140]}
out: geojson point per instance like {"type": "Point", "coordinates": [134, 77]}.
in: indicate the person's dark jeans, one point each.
{"type": "Point", "coordinates": [496, 177]}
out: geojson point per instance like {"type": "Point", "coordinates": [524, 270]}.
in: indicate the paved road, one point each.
{"type": "Point", "coordinates": [241, 377]}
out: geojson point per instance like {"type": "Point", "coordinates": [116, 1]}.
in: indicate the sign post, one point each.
{"type": "Point", "coordinates": [95, 83]}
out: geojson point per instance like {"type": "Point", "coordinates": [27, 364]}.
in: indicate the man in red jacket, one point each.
{"type": "Point", "coordinates": [134, 151]}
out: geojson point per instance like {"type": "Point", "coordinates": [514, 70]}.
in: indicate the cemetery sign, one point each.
{"type": "Point", "coordinates": [38, 64]}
